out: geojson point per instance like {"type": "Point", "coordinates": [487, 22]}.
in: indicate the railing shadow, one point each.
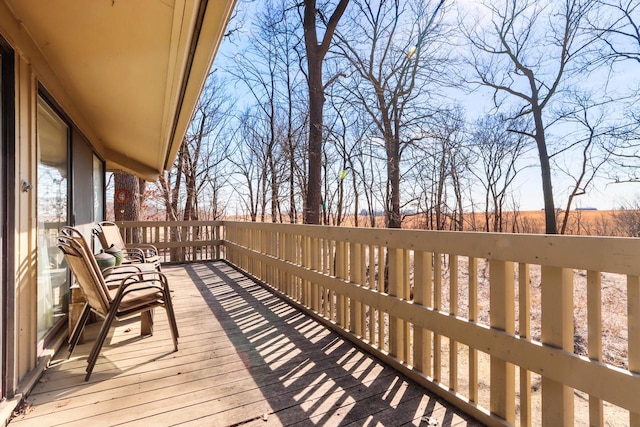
{"type": "Point", "coordinates": [308, 374]}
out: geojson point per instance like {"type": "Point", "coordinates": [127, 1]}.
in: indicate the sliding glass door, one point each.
{"type": "Point", "coordinates": [53, 202]}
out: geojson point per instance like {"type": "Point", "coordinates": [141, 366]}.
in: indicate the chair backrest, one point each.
{"type": "Point", "coordinates": [87, 274]}
{"type": "Point", "coordinates": [109, 234]}
{"type": "Point", "coordinates": [75, 234]}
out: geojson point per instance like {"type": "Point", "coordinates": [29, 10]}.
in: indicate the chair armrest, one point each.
{"type": "Point", "coordinates": [113, 276]}
{"type": "Point", "coordinates": [148, 249]}
{"type": "Point", "coordinates": [144, 280]}
{"type": "Point", "coordinates": [135, 253]}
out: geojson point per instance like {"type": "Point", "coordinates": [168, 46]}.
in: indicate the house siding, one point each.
{"type": "Point", "coordinates": [25, 347]}
{"type": "Point", "coordinates": [25, 360]}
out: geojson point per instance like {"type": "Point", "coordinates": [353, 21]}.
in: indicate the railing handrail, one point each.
{"type": "Point", "coordinates": [606, 254]}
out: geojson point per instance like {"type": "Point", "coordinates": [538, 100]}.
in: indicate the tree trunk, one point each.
{"type": "Point", "coordinates": [315, 56]}
{"type": "Point", "coordinates": [545, 169]}
{"type": "Point", "coordinates": [127, 199]}
{"type": "Point", "coordinates": [316, 103]}
{"type": "Point", "coordinates": [393, 164]}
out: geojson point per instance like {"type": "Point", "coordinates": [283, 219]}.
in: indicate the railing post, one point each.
{"type": "Point", "coordinates": [371, 268]}
{"type": "Point", "coordinates": [305, 255]}
{"type": "Point", "coordinates": [315, 266]}
{"type": "Point", "coordinates": [633, 319]}
{"type": "Point", "coordinates": [273, 251]}
{"type": "Point", "coordinates": [396, 288]}
{"type": "Point", "coordinates": [557, 331]}
{"type": "Point", "coordinates": [473, 317]}
{"type": "Point", "coordinates": [341, 260]}
{"type": "Point", "coordinates": [281, 285]}
{"type": "Point", "coordinates": [502, 401]}
{"type": "Point", "coordinates": [406, 295]}
{"type": "Point", "coordinates": [422, 288]}
{"type": "Point", "coordinates": [381, 281]}
{"type": "Point", "coordinates": [437, 305]}
{"type": "Point", "coordinates": [453, 310]}
{"type": "Point", "coordinates": [524, 300]}
{"type": "Point", "coordinates": [362, 282]}
{"type": "Point", "coordinates": [594, 324]}
{"type": "Point", "coordinates": [355, 310]}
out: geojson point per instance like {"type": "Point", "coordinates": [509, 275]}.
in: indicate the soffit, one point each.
{"type": "Point", "coordinates": [132, 69]}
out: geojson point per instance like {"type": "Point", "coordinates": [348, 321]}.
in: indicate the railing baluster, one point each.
{"type": "Point", "coordinates": [502, 317]}
{"type": "Point", "coordinates": [372, 284]}
{"type": "Point", "coordinates": [453, 310]}
{"type": "Point", "coordinates": [557, 330]}
{"type": "Point", "coordinates": [363, 282]}
{"type": "Point", "coordinates": [524, 321]}
{"type": "Point", "coordinates": [340, 270]}
{"type": "Point", "coordinates": [594, 324]}
{"type": "Point", "coordinates": [355, 277]}
{"type": "Point", "coordinates": [633, 338]}
{"type": "Point", "coordinates": [326, 294]}
{"type": "Point", "coordinates": [292, 280]}
{"type": "Point", "coordinates": [406, 295]}
{"type": "Point", "coordinates": [473, 317]}
{"type": "Point", "coordinates": [396, 288]}
{"type": "Point", "coordinates": [381, 285]}
{"type": "Point", "coordinates": [437, 305]}
{"type": "Point", "coordinates": [282, 255]}
{"type": "Point", "coordinates": [422, 288]}
{"type": "Point", "coordinates": [305, 254]}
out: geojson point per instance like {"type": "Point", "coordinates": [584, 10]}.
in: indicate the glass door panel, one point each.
{"type": "Point", "coordinates": [52, 188]}
{"type": "Point", "coordinates": [98, 189]}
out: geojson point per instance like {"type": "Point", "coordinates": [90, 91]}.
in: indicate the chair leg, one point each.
{"type": "Point", "coordinates": [77, 330]}
{"type": "Point", "coordinates": [171, 317]}
{"type": "Point", "coordinates": [97, 346]}
{"type": "Point", "coordinates": [173, 314]}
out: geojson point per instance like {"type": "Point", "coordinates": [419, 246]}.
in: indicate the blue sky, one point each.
{"type": "Point", "coordinates": [603, 194]}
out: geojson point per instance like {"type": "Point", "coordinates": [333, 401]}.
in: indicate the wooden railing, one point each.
{"type": "Point", "coordinates": [513, 329]}
{"type": "Point", "coordinates": [177, 241]}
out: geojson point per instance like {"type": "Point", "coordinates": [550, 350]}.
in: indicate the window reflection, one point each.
{"type": "Point", "coordinates": [52, 211]}
{"type": "Point", "coordinates": [98, 189]}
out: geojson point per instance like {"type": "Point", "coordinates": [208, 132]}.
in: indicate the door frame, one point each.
{"type": "Point", "coordinates": [7, 236]}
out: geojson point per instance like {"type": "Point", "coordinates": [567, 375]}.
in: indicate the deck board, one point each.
{"type": "Point", "coordinates": [245, 358]}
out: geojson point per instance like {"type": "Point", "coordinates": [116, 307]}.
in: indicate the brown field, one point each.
{"type": "Point", "coordinates": [580, 222]}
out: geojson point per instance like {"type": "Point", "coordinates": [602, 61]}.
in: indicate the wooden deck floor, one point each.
{"type": "Point", "coordinates": [245, 358]}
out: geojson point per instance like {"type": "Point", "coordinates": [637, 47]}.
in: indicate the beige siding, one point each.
{"type": "Point", "coordinates": [25, 219]}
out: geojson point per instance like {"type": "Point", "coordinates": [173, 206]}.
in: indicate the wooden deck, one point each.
{"type": "Point", "coordinates": [245, 358]}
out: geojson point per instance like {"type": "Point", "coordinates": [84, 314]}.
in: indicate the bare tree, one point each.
{"type": "Point", "coordinates": [498, 151]}
{"type": "Point", "coordinates": [392, 47]}
{"type": "Point", "coordinates": [247, 164]}
{"type": "Point", "coordinates": [198, 155]}
{"type": "Point", "coordinates": [439, 167]}
{"type": "Point", "coordinates": [590, 134]}
{"type": "Point", "coordinates": [627, 220]}
{"type": "Point", "coordinates": [528, 55]}
{"type": "Point", "coordinates": [270, 69]}
{"type": "Point", "coordinates": [618, 26]}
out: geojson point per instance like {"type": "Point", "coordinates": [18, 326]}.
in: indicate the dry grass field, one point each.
{"type": "Point", "coordinates": [623, 223]}
{"type": "Point", "coordinates": [579, 222]}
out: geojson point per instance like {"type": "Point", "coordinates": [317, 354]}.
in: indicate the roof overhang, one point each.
{"type": "Point", "coordinates": [128, 72]}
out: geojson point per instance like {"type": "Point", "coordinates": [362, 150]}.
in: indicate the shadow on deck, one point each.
{"type": "Point", "coordinates": [245, 358]}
